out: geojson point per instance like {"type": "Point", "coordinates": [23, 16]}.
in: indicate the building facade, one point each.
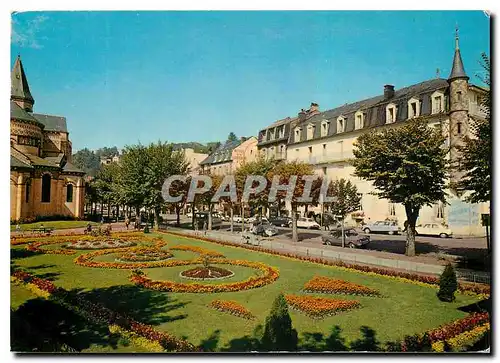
{"type": "Point", "coordinates": [43, 181]}
{"type": "Point", "coordinates": [229, 156]}
{"type": "Point", "coordinates": [194, 160]}
{"type": "Point", "coordinates": [325, 140]}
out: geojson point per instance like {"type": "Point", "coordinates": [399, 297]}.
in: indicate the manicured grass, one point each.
{"type": "Point", "coordinates": [54, 224]}
{"type": "Point", "coordinates": [404, 309]}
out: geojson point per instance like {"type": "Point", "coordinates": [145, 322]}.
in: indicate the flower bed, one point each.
{"type": "Point", "coordinates": [99, 244]}
{"type": "Point", "coordinates": [207, 273]}
{"type": "Point", "coordinates": [200, 250]}
{"type": "Point", "coordinates": [324, 284]}
{"type": "Point", "coordinates": [320, 307]}
{"type": "Point", "coordinates": [438, 338]}
{"type": "Point", "coordinates": [144, 254]}
{"type": "Point", "coordinates": [232, 307]}
{"type": "Point", "coordinates": [35, 247]}
{"type": "Point", "coordinates": [424, 280]}
{"type": "Point", "coordinates": [117, 322]}
{"type": "Point", "coordinates": [87, 260]}
{"type": "Point", "coordinates": [270, 274]}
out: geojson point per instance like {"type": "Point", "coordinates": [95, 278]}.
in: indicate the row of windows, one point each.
{"type": "Point", "coordinates": [27, 140]}
{"type": "Point", "coordinates": [414, 110]}
{"type": "Point", "coordinates": [46, 186]}
{"type": "Point", "coordinates": [275, 133]}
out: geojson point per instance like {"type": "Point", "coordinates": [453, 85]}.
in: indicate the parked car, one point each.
{"type": "Point", "coordinates": [264, 229]}
{"type": "Point", "coordinates": [201, 217]}
{"type": "Point", "coordinates": [352, 238]}
{"type": "Point", "coordinates": [237, 219]}
{"type": "Point", "coordinates": [280, 221]}
{"type": "Point", "coordinates": [433, 229]}
{"type": "Point", "coordinates": [388, 227]}
{"type": "Point", "coordinates": [308, 223]}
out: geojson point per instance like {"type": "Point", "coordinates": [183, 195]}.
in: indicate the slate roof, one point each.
{"type": "Point", "coordinates": [374, 109]}
{"type": "Point", "coordinates": [16, 163]}
{"type": "Point", "coordinates": [52, 123]}
{"type": "Point", "coordinates": [222, 154]}
{"type": "Point", "coordinates": [70, 168]}
{"type": "Point", "coordinates": [19, 83]}
{"type": "Point", "coordinates": [457, 71]}
{"type": "Point", "coordinates": [18, 113]}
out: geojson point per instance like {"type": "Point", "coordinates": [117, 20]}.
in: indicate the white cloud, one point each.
{"type": "Point", "coordinates": [26, 35]}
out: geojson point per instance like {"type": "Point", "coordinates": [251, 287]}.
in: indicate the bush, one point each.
{"type": "Point", "coordinates": [447, 284]}
{"type": "Point", "coordinates": [279, 334]}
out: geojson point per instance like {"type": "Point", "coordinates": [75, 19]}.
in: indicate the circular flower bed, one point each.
{"type": "Point", "coordinates": [270, 274]}
{"type": "Point", "coordinates": [144, 255]}
{"type": "Point", "coordinates": [99, 244]}
{"type": "Point", "coordinates": [207, 273]}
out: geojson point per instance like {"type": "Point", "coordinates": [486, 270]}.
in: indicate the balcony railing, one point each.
{"type": "Point", "coordinates": [329, 158]}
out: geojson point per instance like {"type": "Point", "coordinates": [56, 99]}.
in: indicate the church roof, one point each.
{"type": "Point", "coordinates": [17, 163]}
{"type": "Point", "coordinates": [70, 168]}
{"type": "Point", "coordinates": [18, 113]}
{"type": "Point", "coordinates": [19, 83]}
{"type": "Point", "coordinates": [52, 123]}
{"type": "Point", "coordinates": [457, 71]}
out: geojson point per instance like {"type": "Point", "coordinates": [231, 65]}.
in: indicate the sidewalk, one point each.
{"type": "Point", "coordinates": [418, 264]}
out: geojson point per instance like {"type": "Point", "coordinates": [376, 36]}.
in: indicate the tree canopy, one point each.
{"type": "Point", "coordinates": [406, 164]}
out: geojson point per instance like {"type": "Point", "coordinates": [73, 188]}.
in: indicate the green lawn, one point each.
{"type": "Point", "coordinates": [405, 308]}
{"type": "Point", "coordinates": [54, 224]}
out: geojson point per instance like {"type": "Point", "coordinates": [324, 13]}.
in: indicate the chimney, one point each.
{"type": "Point", "coordinates": [243, 139]}
{"type": "Point", "coordinates": [388, 91]}
{"type": "Point", "coordinates": [302, 115]}
{"type": "Point", "coordinates": [314, 107]}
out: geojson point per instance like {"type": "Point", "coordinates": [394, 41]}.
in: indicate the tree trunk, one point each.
{"type": "Point", "coordinates": [412, 216]}
{"type": "Point", "coordinates": [242, 217]}
{"type": "Point", "coordinates": [156, 219]}
{"type": "Point", "coordinates": [109, 209]}
{"type": "Point", "coordinates": [192, 216]}
{"type": "Point", "coordinates": [178, 209]}
{"type": "Point", "coordinates": [295, 235]}
{"type": "Point", "coordinates": [210, 206]}
{"type": "Point", "coordinates": [231, 218]}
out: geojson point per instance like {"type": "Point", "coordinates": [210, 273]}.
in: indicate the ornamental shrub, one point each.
{"type": "Point", "coordinates": [279, 335]}
{"type": "Point", "coordinates": [447, 284]}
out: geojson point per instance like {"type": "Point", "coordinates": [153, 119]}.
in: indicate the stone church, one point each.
{"type": "Point", "coordinates": [43, 181]}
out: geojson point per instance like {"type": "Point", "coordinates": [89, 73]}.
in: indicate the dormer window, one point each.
{"type": "Point", "coordinates": [325, 125]}
{"type": "Point", "coordinates": [359, 119]}
{"type": "Point", "coordinates": [297, 134]}
{"type": "Point", "coordinates": [281, 132]}
{"type": "Point", "coordinates": [271, 134]}
{"type": "Point", "coordinates": [437, 99]}
{"type": "Point", "coordinates": [413, 108]}
{"type": "Point", "coordinates": [341, 121]}
{"type": "Point", "coordinates": [310, 131]}
{"type": "Point", "coordinates": [390, 113]}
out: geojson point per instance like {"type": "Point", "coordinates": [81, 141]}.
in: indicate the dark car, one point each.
{"type": "Point", "coordinates": [264, 229]}
{"type": "Point", "coordinates": [201, 218]}
{"type": "Point", "coordinates": [280, 221]}
{"type": "Point", "coordinates": [352, 238]}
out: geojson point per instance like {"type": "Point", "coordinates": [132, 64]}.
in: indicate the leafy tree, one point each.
{"type": "Point", "coordinates": [279, 335]}
{"type": "Point", "coordinates": [447, 284]}
{"type": "Point", "coordinates": [477, 151]}
{"type": "Point", "coordinates": [105, 184]}
{"type": "Point", "coordinates": [87, 161]}
{"type": "Point", "coordinates": [131, 176]}
{"type": "Point", "coordinates": [161, 163]}
{"type": "Point", "coordinates": [206, 198]}
{"type": "Point", "coordinates": [348, 198]}
{"type": "Point", "coordinates": [179, 188]}
{"type": "Point", "coordinates": [407, 165]}
{"type": "Point", "coordinates": [285, 170]}
{"type": "Point", "coordinates": [260, 166]}
{"type": "Point", "coordinates": [232, 137]}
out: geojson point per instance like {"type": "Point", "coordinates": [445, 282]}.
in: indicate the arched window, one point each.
{"type": "Point", "coordinates": [69, 193]}
{"type": "Point", "coordinates": [46, 179]}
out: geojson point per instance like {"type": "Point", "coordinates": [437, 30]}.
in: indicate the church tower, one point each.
{"type": "Point", "coordinates": [20, 90]}
{"type": "Point", "coordinates": [458, 106]}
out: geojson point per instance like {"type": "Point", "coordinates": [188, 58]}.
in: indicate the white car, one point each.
{"type": "Point", "coordinates": [237, 219]}
{"type": "Point", "coordinates": [433, 229]}
{"type": "Point", "coordinates": [308, 223]}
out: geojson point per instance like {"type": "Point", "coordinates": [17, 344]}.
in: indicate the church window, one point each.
{"type": "Point", "coordinates": [46, 180]}
{"type": "Point", "coordinates": [69, 193]}
{"type": "Point", "coordinates": [28, 187]}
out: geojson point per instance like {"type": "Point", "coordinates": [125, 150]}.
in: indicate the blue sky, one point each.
{"type": "Point", "coordinates": [124, 77]}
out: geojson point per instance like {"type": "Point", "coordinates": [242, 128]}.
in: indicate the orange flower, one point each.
{"type": "Point", "coordinates": [232, 307]}
{"type": "Point", "coordinates": [200, 250]}
{"type": "Point", "coordinates": [319, 307]}
{"type": "Point", "coordinates": [327, 285]}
